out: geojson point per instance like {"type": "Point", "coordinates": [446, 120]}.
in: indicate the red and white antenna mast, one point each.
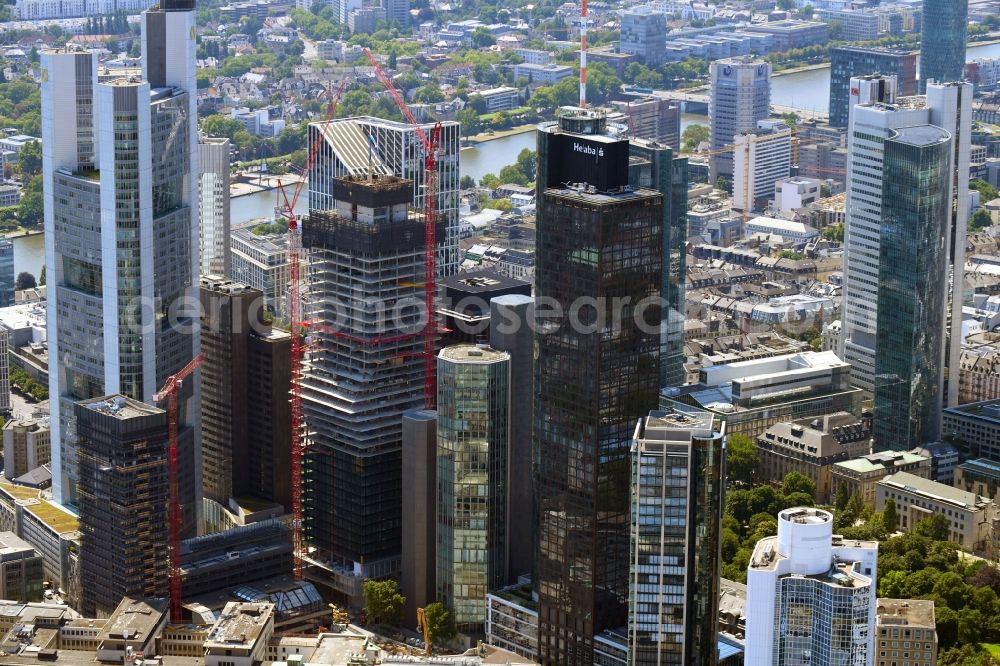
{"type": "Point", "coordinates": [583, 54]}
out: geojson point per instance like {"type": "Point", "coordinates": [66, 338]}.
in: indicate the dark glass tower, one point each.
{"type": "Point", "coordinates": [598, 240]}
{"type": "Point", "coordinates": [942, 41]}
{"type": "Point", "coordinates": [912, 293]}
{"type": "Point", "coordinates": [847, 62]}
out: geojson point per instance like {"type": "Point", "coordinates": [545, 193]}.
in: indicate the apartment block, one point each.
{"type": "Point", "coordinates": [26, 446]}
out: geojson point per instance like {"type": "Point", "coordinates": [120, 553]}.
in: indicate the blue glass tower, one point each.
{"type": "Point", "coordinates": [942, 41]}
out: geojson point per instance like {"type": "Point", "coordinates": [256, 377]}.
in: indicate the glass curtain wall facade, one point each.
{"type": "Point", "coordinates": [912, 294]}
{"type": "Point", "coordinates": [472, 442]}
{"type": "Point", "coordinates": [943, 36]}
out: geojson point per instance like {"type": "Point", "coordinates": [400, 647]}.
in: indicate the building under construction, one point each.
{"type": "Point", "coordinates": [364, 303]}
{"type": "Point", "coordinates": [124, 490]}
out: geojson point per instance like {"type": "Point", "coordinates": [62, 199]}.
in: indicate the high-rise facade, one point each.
{"type": "Point", "coordinates": [363, 371]}
{"type": "Point", "coordinates": [357, 146]}
{"type": "Point", "coordinates": [644, 34]}
{"type": "Point", "coordinates": [762, 158]}
{"type": "Point", "coordinates": [7, 275]}
{"type": "Point", "coordinates": [124, 491]}
{"type": "Point", "coordinates": [912, 287]}
{"type": "Point", "coordinates": [599, 239]}
{"type": "Point", "coordinates": [739, 98]}
{"type": "Point", "coordinates": [847, 62]}
{"type": "Point", "coordinates": [26, 446]}
{"type": "Point", "coordinates": [121, 243]}
{"type": "Point", "coordinates": [245, 380]}
{"type": "Point", "coordinates": [678, 480]}
{"type": "Point", "coordinates": [473, 436]}
{"type": "Point", "coordinates": [943, 35]}
{"type": "Point", "coordinates": [213, 205]}
{"type": "Point", "coordinates": [810, 595]}
{"type": "Point", "coordinates": [876, 117]}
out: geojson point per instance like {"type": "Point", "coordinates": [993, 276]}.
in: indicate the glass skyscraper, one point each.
{"type": "Point", "coordinates": [912, 293]}
{"type": "Point", "coordinates": [943, 37]}
{"type": "Point", "coordinates": [472, 442]}
{"type": "Point", "coordinates": [847, 62]}
{"type": "Point", "coordinates": [7, 276]}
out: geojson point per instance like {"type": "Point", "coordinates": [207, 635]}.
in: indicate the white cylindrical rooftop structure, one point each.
{"type": "Point", "coordinates": [805, 537]}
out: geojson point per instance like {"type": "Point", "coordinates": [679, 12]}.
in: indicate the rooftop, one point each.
{"type": "Point", "coordinates": [982, 467]}
{"type": "Point", "coordinates": [934, 490]}
{"type": "Point", "coordinates": [473, 354]}
{"type": "Point", "coordinates": [240, 625]}
{"type": "Point", "coordinates": [134, 620]}
{"type": "Point", "coordinates": [677, 424]}
{"type": "Point", "coordinates": [121, 407]}
{"type": "Point", "coordinates": [10, 543]}
{"type": "Point", "coordinates": [908, 612]}
{"type": "Point", "coordinates": [592, 197]}
{"type": "Point", "coordinates": [882, 460]}
{"type": "Point", "coordinates": [921, 136]}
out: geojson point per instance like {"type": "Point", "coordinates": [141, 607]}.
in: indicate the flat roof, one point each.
{"type": "Point", "coordinates": [473, 354]}
{"type": "Point", "coordinates": [934, 490]}
{"type": "Point", "coordinates": [905, 612]}
{"type": "Point", "coordinates": [121, 407]}
{"type": "Point", "coordinates": [880, 461]}
{"type": "Point", "coordinates": [134, 619]}
{"type": "Point", "coordinates": [240, 625]}
{"type": "Point", "coordinates": [982, 467]}
{"type": "Point", "coordinates": [920, 136]}
{"type": "Point", "coordinates": [481, 282]}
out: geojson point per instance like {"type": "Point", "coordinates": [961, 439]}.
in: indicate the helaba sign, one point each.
{"type": "Point", "coordinates": [588, 150]}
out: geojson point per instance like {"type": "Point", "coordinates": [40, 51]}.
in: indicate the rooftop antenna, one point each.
{"type": "Point", "coordinates": [583, 54]}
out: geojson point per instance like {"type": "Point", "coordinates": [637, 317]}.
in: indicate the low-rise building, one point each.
{"type": "Point", "coordinates": [21, 569]}
{"type": "Point", "coordinates": [859, 475]}
{"type": "Point", "coordinates": [905, 633]}
{"type": "Point", "coordinates": [26, 446]}
{"type": "Point", "coordinates": [974, 429]}
{"type": "Point", "coordinates": [503, 98]}
{"type": "Point", "coordinates": [796, 192]}
{"type": "Point", "coordinates": [512, 620]}
{"type": "Point", "coordinates": [980, 476]}
{"type": "Point", "coordinates": [810, 447]}
{"type": "Point", "coordinates": [542, 75]}
{"type": "Point", "coordinates": [239, 637]}
{"type": "Point", "coordinates": [970, 516]}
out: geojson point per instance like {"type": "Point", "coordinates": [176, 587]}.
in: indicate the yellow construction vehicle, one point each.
{"type": "Point", "coordinates": [422, 626]}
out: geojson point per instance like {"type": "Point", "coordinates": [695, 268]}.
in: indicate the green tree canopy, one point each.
{"type": "Point", "coordinates": [741, 458]}
{"type": "Point", "coordinates": [440, 623]}
{"type": "Point", "coordinates": [29, 160]}
{"type": "Point", "coordinates": [383, 602]}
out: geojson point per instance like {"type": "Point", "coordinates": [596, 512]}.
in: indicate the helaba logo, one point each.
{"type": "Point", "coordinates": [588, 150]}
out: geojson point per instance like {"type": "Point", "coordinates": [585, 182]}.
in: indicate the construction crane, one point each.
{"type": "Point", "coordinates": [431, 145]}
{"type": "Point", "coordinates": [295, 312]}
{"type": "Point", "coordinates": [169, 393]}
{"type": "Point", "coordinates": [422, 626]}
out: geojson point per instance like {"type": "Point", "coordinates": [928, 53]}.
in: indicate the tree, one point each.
{"type": "Point", "coordinates": [482, 37]}
{"type": "Point", "coordinates": [796, 482]}
{"type": "Point", "coordinates": [29, 160]}
{"type": "Point", "coordinates": [220, 126]}
{"type": "Point", "coordinates": [842, 498]}
{"type": "Point", "coordinates": [979, 220]}
{"type": "Point", "coordinates": [467, 182]}
{"type": "Point", "coordinates": [741, 458]}
{"type": "Point", "coordinates": [986, 191]}
{"type": "Point", "coordinates": [41, 278]}
{"type": "Point", "coordinates": [468, 118]}
{"type": "Point", "coordinates": [31, 209]}
{"type": "Point", "coordinates": [490, 181]}
{"type": "Point", "coordinates": [25, 280]}
{"type": "Point", "coordinates": [693, 136]}
{"type": "Point", "coordinates": [383, 602]}
{"type": "Point", "coordinates": [934, 527]}
{"type": "Point", "coordinates": [723, 183]}
{"type": "Point", "coordinates": [890, 516]}
{"type": "Point", "coordinates": [440, 623]}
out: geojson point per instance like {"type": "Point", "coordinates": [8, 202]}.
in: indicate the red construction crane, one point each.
{"type": "Point", "coordinates": [295, 312]}
{"type": "Point", "coordinates": [430, 226]}
{"type": "Point", "coordinates": [169, 393]}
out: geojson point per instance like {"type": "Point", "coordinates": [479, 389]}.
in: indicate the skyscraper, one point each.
{"type": "Point", "coordinates": [364, 370]}
{"type": "Point", "coordinates": [473, 436]}
{"type": "Point", "coordinates": [7, 275]}
{"type": "Point", "coordinates": [678, 479]}
{"type": "Point", "coordinates": [767, 153]}
{"type": "Point", "coordinates": [419, 563]}
{"type": "Point", "coordinates": [124, 490]}
{"type": "Point", "coordinates": [213, 205]}
{"type": "Point", "coordinates": [912, 287]}
{"type": "Point", "coordinates": [740, 97]}
{"type": "Point", "coordinates": [121, 243]}
{"type": "Point", "coordinates": [943, 35]}
{"type": "Point", "coordinates": [599, 239]}
{"type": "Point", "coordinates": [810, 595]}
{"type": "Point", "coordinates": [847, 62]}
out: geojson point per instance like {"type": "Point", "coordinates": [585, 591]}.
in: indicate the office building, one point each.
{"type": "Point", "coordinates": [796, 192]}
{"type": "Point", "coordinates": [812, 447]}
{"type": "Point", "coordinates": [365, 293]}
{"type": "Point", "coordinates": [5, 356]}
{"type": "Point", "coordinates": [859, 475]}
{"type": "Point", "coordinates": [34, 10]}
{"type": "Point", "coordinates": [397, 12]}
{"type": "Point", "coordinates": [245, 380]}
{"type": "Point", "coordinates": [542, 75]}
{"type": "Point", "coordinates": [124, 494]}
{"type": "Point", "coordinates": [653, 118]}
{"type": "Point", "coordinates": [213, 205]}
{"type": "Point", "coordinates": [767, 153]}
{"type": "Point", "coordinates": [26, 446]}
{"type": "Point", "coordinates": [260, 260]}
{"type": "Point", "coordinates": [7, 274]}
{"type": "Point", "coordinates": [511, 331]}
{"type": "Point", "coordinates": [740, 97]}
{"type": "Point", "coordinates": [365, 19]}
{"type": "Point", "coordinates": [912, 305]}
{"type": "Point", "coordinates": [678, 480]}
{"type": "Point", "coordinates": [356, 146]}
{"type": "Point", "coordinates": [873, 195]}
{"type": "Point", "coordinates": [906, 632]}
{"type": "Point", "coordinates": [810, 594]}
{"type": "Point", "coordinates": [856, 25]}
{"type": "Point", "coordinates": [848, 62]}
{"type": "Point", "coordinates": [974, 429]}
{"type": "Point", "coordinates": [644, 34]}
{"type": "Point", "coordinates": [980, 476]}
{"type": "Point", "coordinates": [464, 301]}
{"type": "Point", "coordinates": [584, 420]}
{"type": "Point", "coordinates": [473, 436]}
{"type": "Point", "coordinates": [790, 34]}
{"type": "Point", "coordinates": [121, 234]}
{"type": "Point", "coordinates": [21, 569]}
{"type": "Point", "coordinates": [239, 556]}
{"type": "Point", "coordinates": [944, 31]}
{"type": "Point", "coordinates": [970, 516]}
{"type": "Point", "coordinates": [419, 559]}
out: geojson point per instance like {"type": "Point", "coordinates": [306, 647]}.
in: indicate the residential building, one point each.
{"type": "Point", "coordinates": [419, 550]}
{"type": "Point", "coordinates": [7, 274]}
{"type": "Point", "coordinates": [859, 475]}
{"type": "Point", "coordinates": [678, 481]}
{"type": "Point", "coordinates": [364, 247]}
{"type": "Point", "coordinates": [854, 25]}
{"type": "Point", "coordinates": [124, 492]}
{"type": "Point", "coordinates": [944, 28]}
{"type": "Point", "coordinates": [503, 98]}
{"type": "Point", "coordinates": [810, 594]}
{"type": "Point", "coordinates": [213, 205]}
{"type": "Point", "coordinates": [397, 12]}
{"type": "Point", "coordinates": [260, 261]}
{"type": "Point", "coordinates": [21, 569]}
{"type": "Point", "coordinates": [848, 62]}
{"type": "Point", "coordinates": [906, 632]}
{"type": "Point", "coordinates": [103, 337]}
{"type": "Point", "coordinates": [394, 148]}
{"type": "Point", "coordinates": [974, 429]}
{"type": "Point", "coordinates": [542, 75]}
{"type": "Point", "coordinates": [644, 33]}
{"type": "Point", "coordinates": [970, 516]}
{"type": "Point", "coordinates": [245, 380]}
{"type": "Point", "coordinates": [10, 194]}
{"type": "Point", "coordinates": [258, 122]}
{"type": "Point", "coordinates": [751, 396]}
{"type": "Point", "coordinates": [767, 153]}
{"type": "Point", "coordinates": [812, 447]}
{"type": "Point", "coordinates": [584, 420]}
{"type": "Point", "coordinates": [473, 437]}
{"type": "Point", "coordinates": [653, 118]}
{"type": "Point", "coordinates": [980, 476]}
{"type": "Point", "coordinates": [35, 10]}
{"type": "Point", "coordinates": [364, 20]}
{"type": "Point", "coordinates": [26, 446]}
{"type": "Point", "coordinates": [740, 97]}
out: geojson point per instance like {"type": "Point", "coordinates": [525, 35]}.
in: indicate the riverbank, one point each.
{"type": "Point", "coordinates": [491, 136]}
{"type": "Point", "coordinates": [266, 184]}
{"type": "Point", "coordinates": [803, 68]}
{"type": "Point", "coordinates": [23, 233]}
